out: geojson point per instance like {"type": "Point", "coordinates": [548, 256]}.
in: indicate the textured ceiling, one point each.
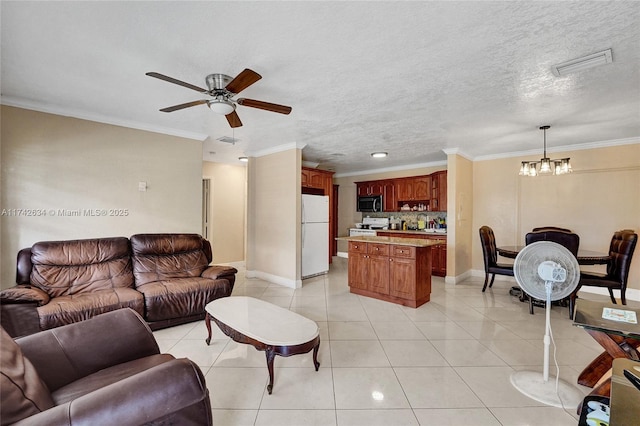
{"type": "Point", "coordinates": [410, 78]}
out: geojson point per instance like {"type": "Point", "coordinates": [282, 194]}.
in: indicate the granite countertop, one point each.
{"type": "Point", "coordinates": [399, 241]}
{"type": "Point", "coordinates": [414, 231]}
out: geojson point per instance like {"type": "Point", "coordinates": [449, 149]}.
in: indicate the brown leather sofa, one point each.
{"type": "Point", "coordinates": [106, 370]}
{"type": "Point", "coordinates": [166, 278]}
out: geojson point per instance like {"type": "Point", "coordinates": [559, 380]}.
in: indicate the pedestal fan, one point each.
{"type": "Point", "coordinates": [547, 271]}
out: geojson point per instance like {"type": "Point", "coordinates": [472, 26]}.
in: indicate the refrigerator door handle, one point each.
{"type": "Point", "coordinates": [303, 234]}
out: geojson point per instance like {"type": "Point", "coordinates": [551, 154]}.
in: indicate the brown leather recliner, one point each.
{"type": "Point", "coordinates": [106, 370]}
{"type": "Point", "coordinates": [166, 278]}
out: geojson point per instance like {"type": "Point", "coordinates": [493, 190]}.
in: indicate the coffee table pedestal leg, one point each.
{"type": "Point", "coordinates": [270, 353]}
{"type": "Point", "coordinates": [207, 322]}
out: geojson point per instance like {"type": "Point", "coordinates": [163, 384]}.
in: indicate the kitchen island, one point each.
{"type": "Point", "coordinates": [393, 269]}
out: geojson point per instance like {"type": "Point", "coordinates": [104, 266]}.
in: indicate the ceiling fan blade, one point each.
{"type": "Point", "coordinates": [233, 119]}
{"type": "Point", "coordinates": [282, 109]}
{"type": "Point", "coordinates": [243, 80]}
{"type": "Point", "coordinates": [182, 106]}
{"type": "Point", "coordinates": [178, 82]}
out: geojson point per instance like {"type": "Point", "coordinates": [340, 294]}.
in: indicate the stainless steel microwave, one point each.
{"type": "Point", "coordinates": [370, 203]}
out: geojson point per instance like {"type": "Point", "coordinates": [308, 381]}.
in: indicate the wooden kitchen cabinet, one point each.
{"type": "Point", "coordinates": [438, 192]}
{"type": "Point", "coordinates": [370, 188]}
{"type": "Point", "coordinates": [422, 187]}
{"type": "Point", "coordinates": [404, 189]}
{"type": "Point", "coordinates": [389, 196]}
{"type": "Point", "coordinates": [438, 253]}
{"type": "Point", "coordinates": [428, 189]}
{"type": "Point", "coordinates": [394, 273]}
{"type": "Point", "coordinates": [417, 188]}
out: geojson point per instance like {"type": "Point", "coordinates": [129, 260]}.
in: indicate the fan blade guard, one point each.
{"type": "Point", "coordinates": [530, 264]}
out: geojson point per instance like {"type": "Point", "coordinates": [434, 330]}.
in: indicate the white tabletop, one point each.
{"type": "Point", "coordinates": [263, 321]}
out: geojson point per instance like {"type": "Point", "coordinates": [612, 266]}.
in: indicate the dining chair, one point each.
{"type": "Point", "coordinates": [491, 265]}
{"type": "Point", "coordinates": [550, 228]}
{"type": "Point", "coordinates": [569, 240]}
{"type": "Point", "coordinates": [623, 244]}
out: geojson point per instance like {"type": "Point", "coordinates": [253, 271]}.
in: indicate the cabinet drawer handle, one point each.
{"type": "Point", "coordinates": [355, 246]}
{"type": "Point", "coordinates": [401, 251]}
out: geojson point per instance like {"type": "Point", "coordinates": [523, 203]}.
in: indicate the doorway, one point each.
{"type": "Point", "coordinates": [206, 208]}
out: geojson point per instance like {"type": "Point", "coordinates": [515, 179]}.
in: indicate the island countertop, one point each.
{"type": "Point", "coordinates": [399, 241]}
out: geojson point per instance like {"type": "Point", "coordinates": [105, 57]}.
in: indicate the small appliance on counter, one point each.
{"type": "Point", "coordinates": [369, 226]}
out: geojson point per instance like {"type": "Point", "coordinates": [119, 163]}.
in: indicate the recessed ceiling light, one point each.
{"type": "Point", "coordinates": [379, 154]}
{"type": "Point", "coordinates": [243, 159]}
{"type": "Point", "coordinates": [580, 64]}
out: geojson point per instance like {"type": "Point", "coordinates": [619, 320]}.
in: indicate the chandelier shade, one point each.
{"type": "Point", "coordinates": [545, 165]}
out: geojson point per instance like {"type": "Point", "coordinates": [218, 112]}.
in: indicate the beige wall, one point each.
{"type": "Point", "coordinates": [273, 218]}
{"type": "Point", "coordinates": [347, 214]}
{"type": "Point", "coordinates": [228, 198]}
{"type": "Point", "coordinates": [459, 217]}
{"type": "Point", "coordinates": [601, 196]}
{"type": "Point", "coordinates": [56, 163]}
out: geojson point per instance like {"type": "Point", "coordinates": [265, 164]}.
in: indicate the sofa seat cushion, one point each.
{"type": "Point", "coordinates": [68, 309]}
{"type": "Point", "coordinates": [181, 297]}
{"type": "Point", "coordinates": [107, 376]}
{"type": "Point", "coordinates": [23, 391]}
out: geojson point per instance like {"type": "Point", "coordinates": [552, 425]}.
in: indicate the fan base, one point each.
{"type": "Point", "coordinates": [532, 384]}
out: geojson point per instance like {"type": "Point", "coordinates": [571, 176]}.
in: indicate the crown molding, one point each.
{"type": "Point", "coordinates": [457, 151]}
{"type": "Point", "coordinates": [276, 149]}
{"type": "Point", "coordinates": [83, 115]}
{"type": "Point", "coordinates": [565, 148]}
{"type": "Point", "coordinates": [391, 169]}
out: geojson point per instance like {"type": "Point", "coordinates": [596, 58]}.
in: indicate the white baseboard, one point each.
{"type": "Point", "coordinates": [343, 254]}
{"type": "Point", "coordinates": [631, 294]}
{"type": "Point", "coordinates": [459, 278]}
{"type": "Point", "coordinates": [287, 282]}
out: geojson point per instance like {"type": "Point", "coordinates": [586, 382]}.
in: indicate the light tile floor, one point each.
{"type": "Point", "coordinates": [445, 363]}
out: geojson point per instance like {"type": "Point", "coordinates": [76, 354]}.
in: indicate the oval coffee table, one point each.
{"type": "Point", "coordinates": [267, 327]}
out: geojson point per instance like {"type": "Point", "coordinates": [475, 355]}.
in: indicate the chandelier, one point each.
{"type": "Point", "coordinates": [545, 165]}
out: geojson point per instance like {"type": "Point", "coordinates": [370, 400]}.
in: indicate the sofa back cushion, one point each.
{"type": "Point", "coordinates": [158, 257]}
{"type": "Point", "coordinates": [62, 268]}
{"type": "Point", "coordinates": [23, 392]}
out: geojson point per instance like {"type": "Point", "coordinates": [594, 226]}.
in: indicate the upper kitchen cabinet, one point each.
{"type": "Point", "coordinates": [314, 178]}
{"type": "Point", "coordinates": [374, 187]}
{"type": "Point", "coordinates": [389, 196]}
{"type": "Point", "coordinates": [438, 192]}
{"type": "Point", "coordinates": [413, 188]}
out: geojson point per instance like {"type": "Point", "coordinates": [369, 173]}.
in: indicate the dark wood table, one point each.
{"type": "Point", "coordinates": [585, 257]}
{"type": "Point", "coordinates": [619, 339]}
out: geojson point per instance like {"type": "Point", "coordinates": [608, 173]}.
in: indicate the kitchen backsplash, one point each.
{"type": "Point", "coordinates": [411, 218]}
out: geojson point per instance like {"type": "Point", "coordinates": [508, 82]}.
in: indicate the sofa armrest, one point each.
{"type": "Point", "coordinates": [218, 271]}
{"type": "Point", "coordinates": [24, 294]}
{"type": "Point", "coordinates": [147, 396]}
{"type": "Point", "coordinates": [64, 354]}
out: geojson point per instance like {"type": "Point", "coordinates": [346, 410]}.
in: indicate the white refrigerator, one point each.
{"type": "Point", "coordinates": [315, 235]}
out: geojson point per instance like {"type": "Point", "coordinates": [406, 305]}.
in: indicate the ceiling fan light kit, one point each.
{"type": "Point", "coordinates": [546, 165]}
{"type": "Point", "coordinates": [222, 88]}
{"type": "Point", "coordinates": [221, 106]}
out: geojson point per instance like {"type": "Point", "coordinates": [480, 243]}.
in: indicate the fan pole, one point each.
{"type": "Point", "coordinates": [547, 333]}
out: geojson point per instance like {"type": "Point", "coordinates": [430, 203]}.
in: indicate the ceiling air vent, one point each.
{"type": "Point", "coordinates": [227, 139]}
{"type": "Point", "coordinates": [579, 64]}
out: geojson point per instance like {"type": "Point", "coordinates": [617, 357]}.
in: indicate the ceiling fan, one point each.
{"type": "Point", "coordinates": [222, 88]}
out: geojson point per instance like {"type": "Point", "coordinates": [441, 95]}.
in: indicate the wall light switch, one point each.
{"type": "Point", "coordinates": [142, 186]}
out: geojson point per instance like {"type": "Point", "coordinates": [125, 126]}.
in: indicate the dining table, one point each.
{"type": "Point", "coordinates": [584, 257]}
